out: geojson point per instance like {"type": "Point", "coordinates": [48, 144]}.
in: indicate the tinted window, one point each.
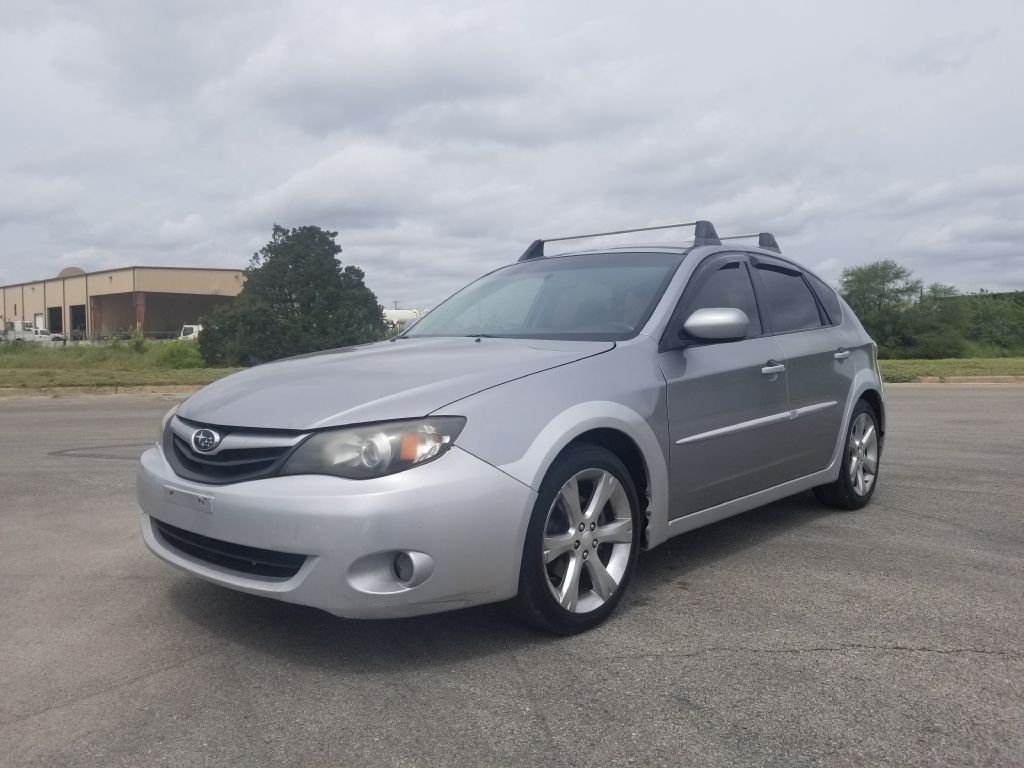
{"type": "Point", "coordinates": [728, 286]}
{"type": "Point", "coordinates": [791, 305]}
{"type": "Point", "coordinates": [586, 297]}
{"type": "Point", "coordinates": [828, 299]}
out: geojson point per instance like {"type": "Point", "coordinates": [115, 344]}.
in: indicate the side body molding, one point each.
{"type": "Point", "coordinates": [864, 381]}
{"type": "Point", "coordinates": [743, 426]}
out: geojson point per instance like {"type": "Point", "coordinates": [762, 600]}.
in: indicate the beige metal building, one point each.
{"type": "Point", "coordinates": [156, 300]}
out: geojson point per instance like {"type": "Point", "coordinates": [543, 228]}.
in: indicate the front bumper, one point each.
{"type": "Point", "coordinates": [466, 516]}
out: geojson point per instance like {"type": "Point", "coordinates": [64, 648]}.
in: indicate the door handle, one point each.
{"type": "Point", "coordinates": [773, 368]}
{"type": "Point", "coordinates": [842, 354]}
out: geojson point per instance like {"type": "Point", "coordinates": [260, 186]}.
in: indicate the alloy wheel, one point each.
{"type": "Point", "coordinates": [588, 536]}
{"type": "Point", "coordinates": [863, 454]}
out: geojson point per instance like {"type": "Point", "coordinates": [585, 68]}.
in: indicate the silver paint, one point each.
{"type": "Point", "coordinates": [716, 433]}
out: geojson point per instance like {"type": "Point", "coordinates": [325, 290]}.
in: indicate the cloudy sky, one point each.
{"type": "Point", "coordinates": [440, 138]}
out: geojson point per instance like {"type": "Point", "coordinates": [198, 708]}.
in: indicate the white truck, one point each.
{"type": "Point", "coordinates": [20, 331]}
{"type": "Point", "coordinates": [402, 318]}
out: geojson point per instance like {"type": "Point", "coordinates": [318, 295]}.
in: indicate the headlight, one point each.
{"type": "Point", "coordinates": [163, 423]}
{"type": "Point", "coordinates": [374, 450]}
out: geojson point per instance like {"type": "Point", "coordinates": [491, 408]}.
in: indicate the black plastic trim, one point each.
{"type": "Point", "coordinates": [228, 466]}
{"type": "Point", "coordinates": [236, 557]}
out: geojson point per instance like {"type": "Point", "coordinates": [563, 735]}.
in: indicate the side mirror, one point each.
{"type": "Point", "coordinates": [717, 324]}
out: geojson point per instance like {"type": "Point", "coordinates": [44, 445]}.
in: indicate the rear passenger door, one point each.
{"type": "Point", "coordinates": [726, 400]}
{"type": "Point", "coordinates": [818, 376]}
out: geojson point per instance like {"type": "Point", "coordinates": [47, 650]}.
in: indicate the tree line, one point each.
{"type": "Point", "coordinates": [299, 298]}
{"type": "Point", "coordinates": [910, 320]}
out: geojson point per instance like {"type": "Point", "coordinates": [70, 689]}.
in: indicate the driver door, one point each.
{"type": "Point", "coordinates": [727, 400]}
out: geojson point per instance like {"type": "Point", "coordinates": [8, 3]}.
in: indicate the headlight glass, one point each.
{"type": "Point", "coordinates": [374, 450]}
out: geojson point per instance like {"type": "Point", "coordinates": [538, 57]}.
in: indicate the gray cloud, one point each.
{"type": "Point", "coordinates": [945, 54]}
{"type": "Point", "coordinates": [440, 138]}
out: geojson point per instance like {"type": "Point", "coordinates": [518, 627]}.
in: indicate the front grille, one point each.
{"type": "Point", "coordinates": [250, 560]}
{"type": "Point", "coordinates": [228, 465]}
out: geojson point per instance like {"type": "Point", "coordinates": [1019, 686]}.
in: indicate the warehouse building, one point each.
{"type": "Point", "coordinates": [96, 305]}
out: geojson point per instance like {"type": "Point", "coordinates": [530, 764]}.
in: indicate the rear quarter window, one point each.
{"type": "Point", "coordinates": [828, 299]}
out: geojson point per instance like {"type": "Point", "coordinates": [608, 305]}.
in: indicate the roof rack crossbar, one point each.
{"type": "Point", "coordinates": [765, 240]}
{"type": "Point", "coordinates": [704, 234]}
{"type": "Point", "coordinates": [621, 232]}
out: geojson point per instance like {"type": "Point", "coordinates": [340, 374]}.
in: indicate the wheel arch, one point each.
{"type": "Point", "coordinates": [628, 452]}
{"type": "Point", "coordinates": [874, 398]}
{"type": "Point", "coordinates": [866, 386]}
{"type": "Point", "coordinates": [617, 428]}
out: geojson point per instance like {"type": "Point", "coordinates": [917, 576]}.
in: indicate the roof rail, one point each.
{"type": "Point", "coordinates": [703, 234]}
{"type": "Point", "coordinates": [765, 240]}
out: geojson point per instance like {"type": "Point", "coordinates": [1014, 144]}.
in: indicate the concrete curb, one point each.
{"type": "Point", "coordinates": [960, 380]}
{"type": "Point", "coordinates": [138, 389]}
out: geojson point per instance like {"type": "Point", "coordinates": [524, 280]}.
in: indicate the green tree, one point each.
{"type": "Point", "coordinates": [881, 293]}
{"type": "Point", "coordinates": [297, 298]}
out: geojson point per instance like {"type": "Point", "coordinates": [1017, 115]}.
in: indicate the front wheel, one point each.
{"type": "Point", "coordinates": [858, 474]}
{"type": "Point", "coordinates": [581, 543]}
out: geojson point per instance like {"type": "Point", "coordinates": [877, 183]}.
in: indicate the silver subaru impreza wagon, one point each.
{"type": "Point", "coordinates": [526, 438]}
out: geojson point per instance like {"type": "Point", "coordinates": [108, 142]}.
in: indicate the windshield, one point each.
{"type": "Point", "coordinates": [598, 297]}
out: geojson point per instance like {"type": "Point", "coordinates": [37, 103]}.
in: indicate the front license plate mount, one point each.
{"type": "Point", "coordinates": [196, 501]}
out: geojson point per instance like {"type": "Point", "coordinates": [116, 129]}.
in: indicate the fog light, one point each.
{"type": "Point", "coordinates": [403, 567]}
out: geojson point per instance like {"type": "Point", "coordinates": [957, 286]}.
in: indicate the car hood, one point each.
{"type": "Point", "coordinates": [389, 380]}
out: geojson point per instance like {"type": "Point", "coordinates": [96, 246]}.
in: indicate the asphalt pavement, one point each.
{"type": "Point", "coordinates": [788, 636]}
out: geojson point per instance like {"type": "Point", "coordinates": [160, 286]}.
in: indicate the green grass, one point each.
{"type": "Point", "coordinates": [88, 377]}
{"type": "Point", "coordinates": [28, 365]}
{"type": "Point", "coordinates": [898, 371]}
{"type": "Point", "coordinates": [120, 365]}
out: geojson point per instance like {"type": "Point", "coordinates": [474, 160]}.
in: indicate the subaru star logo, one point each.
{"type": "Point", "coordinates": [205, 440]}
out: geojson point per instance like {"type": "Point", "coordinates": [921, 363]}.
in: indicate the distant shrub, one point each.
{"type": "Point", "coordinates": [899, 377]}
{"type": "Point", "coordinates": [937, 345]}
{"type": "Point", "coordinates": [179, 354]}
{"type": "Point", "coordinates": [137, 342]}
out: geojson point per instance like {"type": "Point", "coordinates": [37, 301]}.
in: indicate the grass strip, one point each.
{"type": "Point", "coordinates": [897, 371]}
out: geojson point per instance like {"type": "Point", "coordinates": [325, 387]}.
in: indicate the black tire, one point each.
{"type": "Point", "coordinates": [536, 602]}
{"type": "Point", "coordinates": [844, 492]}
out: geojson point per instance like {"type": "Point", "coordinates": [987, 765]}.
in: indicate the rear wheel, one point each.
{"type": "Point", "coordinates": [858, 474]}
{"type": "Point", "coordinates": [581, 544]}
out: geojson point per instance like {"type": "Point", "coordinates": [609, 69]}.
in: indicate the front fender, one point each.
{"type": "Point", "coordinates": [583, 418]}
{"type": "Point", "coordinates": [520, 427]}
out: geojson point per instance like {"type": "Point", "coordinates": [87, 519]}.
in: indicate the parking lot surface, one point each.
{"type": "Point", "coordinates": [791, 635]}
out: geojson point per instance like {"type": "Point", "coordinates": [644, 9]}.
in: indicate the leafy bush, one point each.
{"type": "Point", "coordinates": [937, 345]}
{"type": "Point", "coordinates": [179, 354]}
{"type": "Point", "coordinates": [137, 344]}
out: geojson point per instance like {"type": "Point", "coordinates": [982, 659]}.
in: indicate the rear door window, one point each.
{"type": "Point", "coordinates": [790, 304]}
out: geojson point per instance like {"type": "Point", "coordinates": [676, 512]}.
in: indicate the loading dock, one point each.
{"type": "Point", "coordinates": [97, 305]}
